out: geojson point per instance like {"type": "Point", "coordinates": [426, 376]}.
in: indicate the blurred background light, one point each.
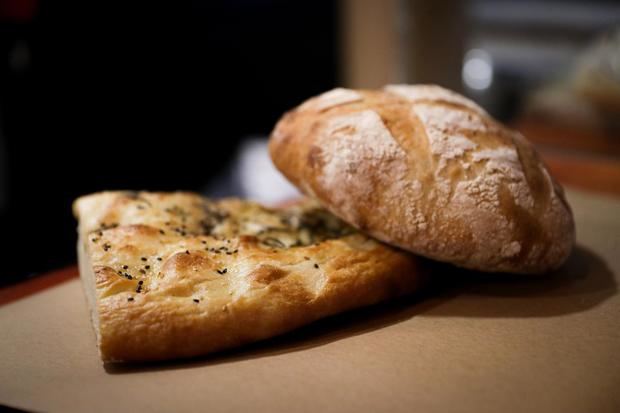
{"type": "Point", "coordinates": [477, 70]}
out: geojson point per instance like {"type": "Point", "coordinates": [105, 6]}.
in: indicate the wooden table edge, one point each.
{"type": "Point", "coordinates": [36, 284]}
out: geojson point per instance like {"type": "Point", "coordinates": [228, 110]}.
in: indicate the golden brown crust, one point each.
{"type": "Point", "coordinates": [426, 169]}
{"type": "Point", "coordinates": [177, 275]}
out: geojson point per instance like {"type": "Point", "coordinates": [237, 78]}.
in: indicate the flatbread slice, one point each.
{"type": "Point", "coordinates": [171, 275]}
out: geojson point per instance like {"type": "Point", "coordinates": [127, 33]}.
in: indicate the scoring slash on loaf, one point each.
{"type": "Point", "coordinates": [427, 170]}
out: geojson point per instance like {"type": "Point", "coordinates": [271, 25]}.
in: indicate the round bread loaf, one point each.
{"type": "Point", "coordinates": [426, 169]}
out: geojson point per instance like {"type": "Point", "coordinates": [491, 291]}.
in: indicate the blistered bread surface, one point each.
{"type": "Point", "coordinates": [179, 275]}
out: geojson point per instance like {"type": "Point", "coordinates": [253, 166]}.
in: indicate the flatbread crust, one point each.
{"type": "Point", "coordinates": [171, 275]}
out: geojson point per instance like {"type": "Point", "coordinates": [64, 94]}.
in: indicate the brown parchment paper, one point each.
{"type": "Point", "coordinates": [471, 343]}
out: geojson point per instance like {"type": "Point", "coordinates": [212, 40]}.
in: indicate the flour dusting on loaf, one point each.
{"type": "Point", "coordinates": [428, 170]}
{"type": "Point", "coordinates": [357, 147]}
{"type": "Point", "coordinates": [431, 93]}
{"type": "Point", "coordinates": [335, 97]}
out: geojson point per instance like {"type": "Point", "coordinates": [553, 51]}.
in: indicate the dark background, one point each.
{"type": "Point", "coordinates": [131, 95]}
{"type": "Point", "coordinates": [101, 95]}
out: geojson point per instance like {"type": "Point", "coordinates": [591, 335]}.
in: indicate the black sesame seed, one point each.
{"type": "Point", "coordinates": [125, 267]}
{"type": "Point", "coordinates": [316, 265]}
{"type": "Point", "coordinates": [95, 239]}
{"type": "Point", "coordinates": [128, 276]}
{"type": "Point", "coordinates": [140, 282]}
{"type": "Point", "coordinates": [203, 241]}
{"type": "Point", "coordinates": [146, 267]}
{"type": "Point", "coordinates": [143, 258]}
{"type": "Point", "coordinates": [222, 271]}
{"type": "Point", "coordinates": [196, 300]}
{"type": "Point", "coordinates": [161, 231]}
{"type": "Point", "coordinates": [130, 299]}
{"type": "Point", "coordinates": [142, 271]}
{"type": "Point", "coordinates": [158, 258]}
{"type": "Point", "coordinates": [187, 252]}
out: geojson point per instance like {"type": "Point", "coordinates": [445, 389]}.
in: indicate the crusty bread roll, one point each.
{"type": "Point", "coordinates": [428, 170]}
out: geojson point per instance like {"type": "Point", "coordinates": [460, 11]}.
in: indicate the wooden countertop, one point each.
{"type": "Point", "coordinates": [483, 343]}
